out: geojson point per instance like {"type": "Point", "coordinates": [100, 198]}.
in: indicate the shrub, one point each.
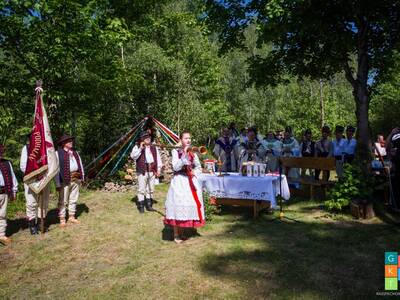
{"type": "Point", "coordinates": [209, 209]}
{"type": "Point", "coordinates": [353, 185]}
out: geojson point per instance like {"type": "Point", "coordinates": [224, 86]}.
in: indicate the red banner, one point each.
{"type": "Point", "coordinates": [37, 154]}
{"type": "Point", "coordinates": [42, 163]}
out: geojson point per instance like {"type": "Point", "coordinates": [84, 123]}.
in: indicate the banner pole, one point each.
{"type": "Point", "coordinates": [41, 212]}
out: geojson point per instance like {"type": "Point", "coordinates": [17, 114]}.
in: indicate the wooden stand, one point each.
{"type": "Point", "coordinates": [257, 205]}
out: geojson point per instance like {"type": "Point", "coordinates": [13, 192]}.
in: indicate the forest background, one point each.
{"type": "Point", "coordinates": [107, 64]}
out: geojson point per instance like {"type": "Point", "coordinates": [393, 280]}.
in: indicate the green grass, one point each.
{"type": "Point", "coordinates": [118, 254]}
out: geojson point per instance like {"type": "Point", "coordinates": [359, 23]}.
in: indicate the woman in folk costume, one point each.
{"type": "Point", "coordinates": [8, 191]}
{"type": "Point", "coordinates": [148, 167]}
{"type": "Point", "coordinates": [273, 148]}
{"type": "Point", "coordinates": [227, 151]}
{"type": "Point", "coordinates": [68, 180]}
{"type": "Point", "coordinates": [251, 149]}
{"type": "Point", "coordinates": [184, 205]}
{"type": "Point", "coordinates": [290, 147]}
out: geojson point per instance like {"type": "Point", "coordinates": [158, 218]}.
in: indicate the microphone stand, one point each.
{"type": "Point", "coordinates": [281, 217]}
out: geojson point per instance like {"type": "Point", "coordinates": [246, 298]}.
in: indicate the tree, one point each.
{"type": "Point", "coordinates": [318, 39]}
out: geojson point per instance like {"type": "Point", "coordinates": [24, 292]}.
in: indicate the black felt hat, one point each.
{"type": "Point", "coordinates": [65, 138]}
{"type": "Point", "coordinates": [326, 129]}
{"type": "Point", "coordinates": [144, 135]}
{"type": "Point", "coordinates": [339, 129]}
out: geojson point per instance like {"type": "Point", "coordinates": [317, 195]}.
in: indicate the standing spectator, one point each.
{"type": "Point", "coordinates": [323, 148]}
{"type": "Point", "coordinates": [290, 147]}
{"type": "Point", "coordinates": [226, 149]}
{"type": "Point", "coordinates": [307, 148]}
{"type": "Point", "coordinates": [350, 145]}
{"type": "Point", "coordinates": [338, 145]}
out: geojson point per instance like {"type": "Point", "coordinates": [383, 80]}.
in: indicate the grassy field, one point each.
{"type": "Point", "coordinates": [118, 254]}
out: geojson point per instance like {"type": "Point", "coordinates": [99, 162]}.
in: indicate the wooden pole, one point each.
{"type": "Point", "coordinates": [41, 212]}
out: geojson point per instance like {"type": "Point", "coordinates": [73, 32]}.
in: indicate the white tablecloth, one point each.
{"type": "Point", "coordinates": [235, 186]}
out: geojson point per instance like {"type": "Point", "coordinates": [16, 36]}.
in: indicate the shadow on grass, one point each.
{"type": "Point", "coordinates": [167, 234]}
{"type": "Point", "coordinates": [16, 225]}
{"type": "Point", "coordinates": [303, 260]}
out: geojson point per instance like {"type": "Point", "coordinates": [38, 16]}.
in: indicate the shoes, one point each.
{"type": "Point", "coordinates": [149, 204]}
{"type": "Point", "coordinates": [141, 206]}
{"type": "Point", "coordinates": [33, 227]}
{"type": "Point", "coordinates": [5, 240]}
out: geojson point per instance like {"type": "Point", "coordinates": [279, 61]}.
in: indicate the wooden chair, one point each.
{"type": "Point", "coordinates": [318, 163]}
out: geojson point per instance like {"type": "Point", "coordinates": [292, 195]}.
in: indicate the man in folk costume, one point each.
{"type": "Point", "coordinates": [350, 145]}
{"type": "Point", "coordinates": [323, 148]}
{"type": "Point", "coordinates": [184, 207]}
{"type": "Point", "coordinates": [251, 149]}
{"type": "Point", "coordinates": [33, 208]}
{"type": "Point", "coordinates": [68, 179]}
{"type": "Point", "coordinates": [273, 148]}
{"type": "Point", "coordinates": [8, 190]}
{"type": "Point", "coordinates": [290, 147]}
{"type": "Point", "coordinates": [148, 168]}
{"type": "Point", "coordinates": [227, 151]}
{"type": "Point", "coordinates": [338, 148]}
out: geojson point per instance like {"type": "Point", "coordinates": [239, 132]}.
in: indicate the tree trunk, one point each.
{"type": "Point", "coordinates": [321, 102]}
{"type": "Point", "coordinates": [361, 95]}
{"type": "Point", "coordinates": [363, 132]}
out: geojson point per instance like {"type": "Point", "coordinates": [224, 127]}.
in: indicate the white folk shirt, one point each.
{"type": "Point", "coordinates": [14, 180]}
{"type": "Point", "coordinates": [338, 147]}
{"type": "Point", "coordinates": [73, 164]}
{"type": "Point", "coordinates": [136, 152]}
{"type": "Point", "coordinates": [24, 159]}
{"type": "Point", "coordinates": [350, 146]}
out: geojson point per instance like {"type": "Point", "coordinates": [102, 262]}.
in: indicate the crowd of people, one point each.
{"type": "Point", "coordinates": [234, 148]}
{"type": "Point", "coordinates": [184, 204]}
{"type": "Point", "coordinates": [67, 181]}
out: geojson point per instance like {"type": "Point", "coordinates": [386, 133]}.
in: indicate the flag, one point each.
{"type": "Point", "coordinates": [42, 163]}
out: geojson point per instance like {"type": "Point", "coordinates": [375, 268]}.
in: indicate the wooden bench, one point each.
{"type": "Point", "coordinates": [257, 205]}
{"type": "Point", "coordinates": [318, 163]}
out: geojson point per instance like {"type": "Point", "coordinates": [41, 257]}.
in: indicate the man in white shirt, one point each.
{"type": "Point", "coordinates": [33, 208]}
{"type": "Point", "coordinates": [148, 167]}
{"type": "Point", "coordinates": [338, 148]}
{"type": "Point", "coordinates": [68, 180]}
{"type": "Point", "coordinates": [8, 190]}
{"type": "Point", "coordinates": [350, 145]}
